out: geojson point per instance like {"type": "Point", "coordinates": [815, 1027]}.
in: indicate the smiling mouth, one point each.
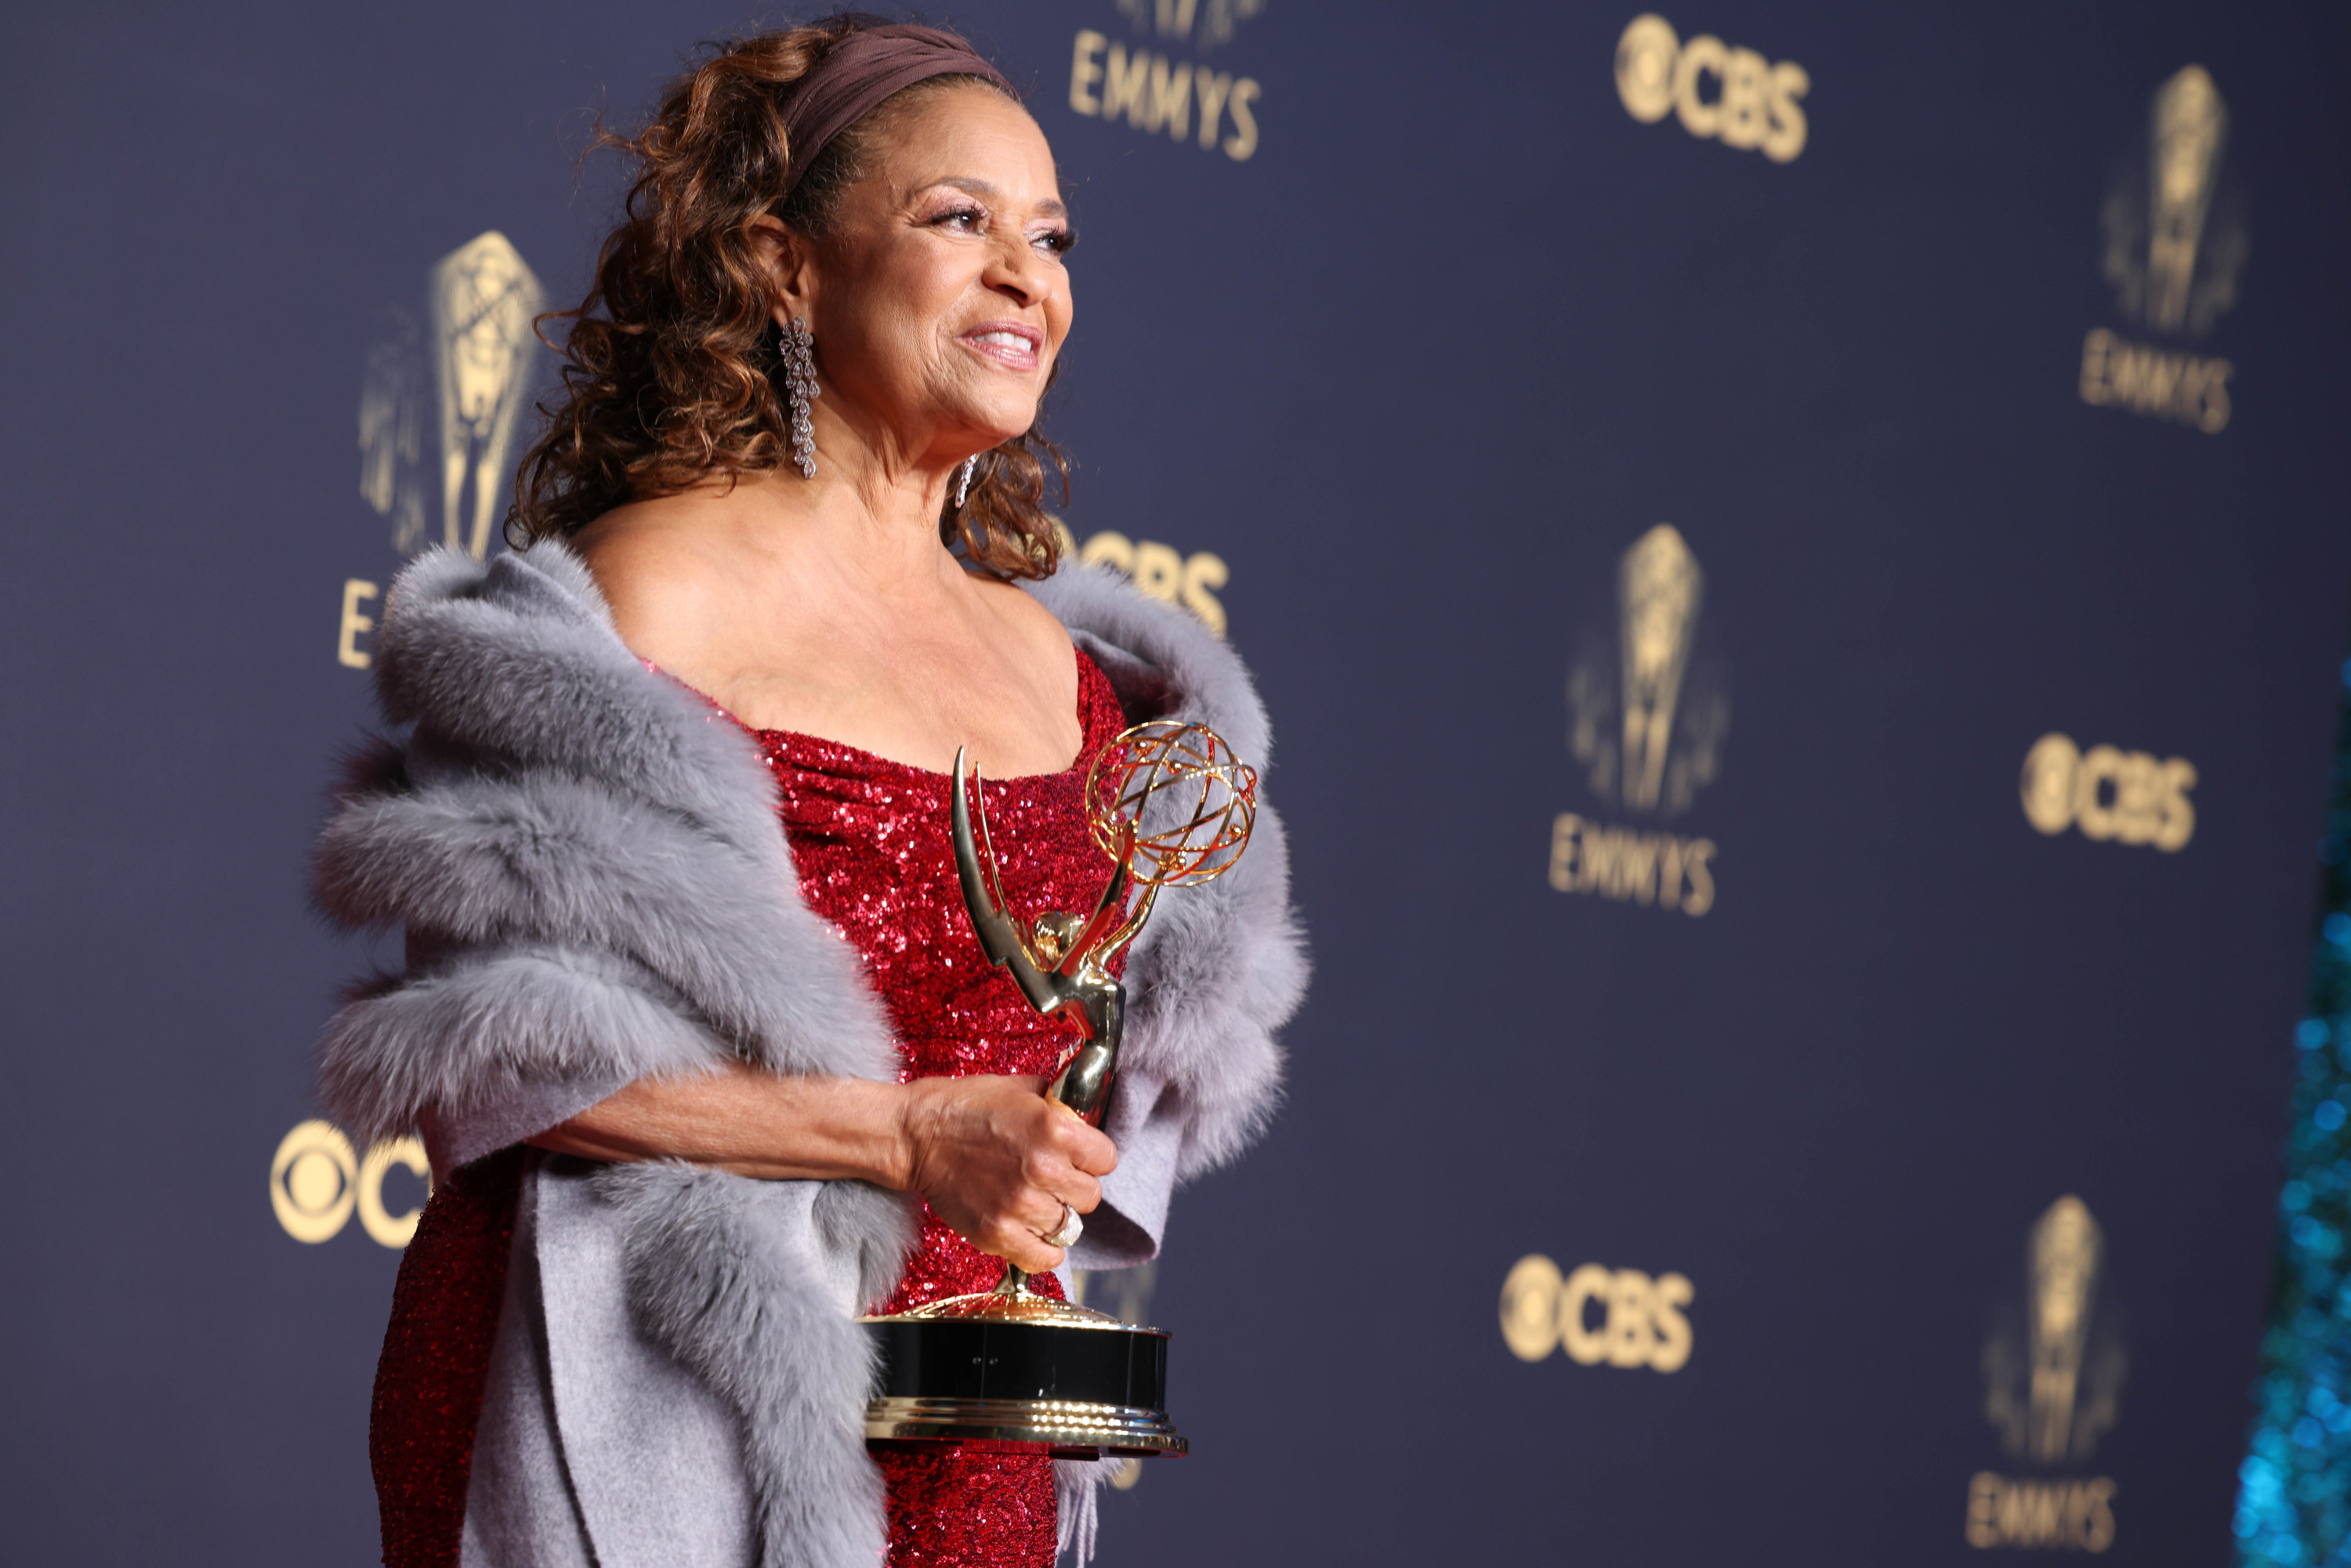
{"type": "Point", "coordinates": [1006, 346]}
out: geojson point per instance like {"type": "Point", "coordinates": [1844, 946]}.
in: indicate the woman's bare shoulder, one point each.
{"type": "Point", "coordinates": [668, 573]}
{"type": "Point", "coordinates": [1032, 625]}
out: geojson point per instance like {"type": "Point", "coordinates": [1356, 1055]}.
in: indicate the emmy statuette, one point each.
{"type": "Point", "coordinates": [1171, 805]}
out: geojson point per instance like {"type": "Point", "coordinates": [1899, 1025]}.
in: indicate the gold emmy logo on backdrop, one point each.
{"type": "Point", "coordinates": [1649, 727]}
{"type": "Point", "coordinates": [317, 1182]}
{"type": "Point", "coordinates": [1659, 591]}
{"type": "Point", "coordinates": [467, 385]}
{"type": "Point", "coordinates": [2175, 248]}
{"type": "Point", "coordinates": [484, 299]}
{"type": "Point", "coordinates": [2054, 1370]}
{"type": "Point", "coordinates": [2155, 221]}
{"type": "Point", "coordinates": [1752, 104]}
{"type": "Point", "coordinates": [1641, 1322]}
{"type": "Point", "coordinates": [2112, 795]}
{"type": "Point", "coordinates": [1157, 94]}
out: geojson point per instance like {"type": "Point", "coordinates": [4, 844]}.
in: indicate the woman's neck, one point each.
{"type": "Point", "coordinates": [882, 487]}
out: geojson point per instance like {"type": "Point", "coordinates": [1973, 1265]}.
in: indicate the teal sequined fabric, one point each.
{"type": "Point", "coordinates": [2293, 1500]}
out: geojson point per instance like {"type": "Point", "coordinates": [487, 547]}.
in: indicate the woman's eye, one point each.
{"type": "Point", "coordinates": [968, 219]}
{"type": "Point", "coordinates": [1056, 242]}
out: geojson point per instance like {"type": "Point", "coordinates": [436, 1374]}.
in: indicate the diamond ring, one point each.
{"type": "Point", "coordinates": [1066, 1234]}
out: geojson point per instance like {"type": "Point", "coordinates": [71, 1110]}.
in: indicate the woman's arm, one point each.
{"type": "Point", "coordinates": [995, 1159]}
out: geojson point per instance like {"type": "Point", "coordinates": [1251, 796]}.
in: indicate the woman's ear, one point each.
{"type": "Point", "coordinates": [787, 257]}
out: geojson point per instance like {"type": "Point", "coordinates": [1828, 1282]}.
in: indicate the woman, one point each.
{"type": "Point", "coordinates": [698, 1090]}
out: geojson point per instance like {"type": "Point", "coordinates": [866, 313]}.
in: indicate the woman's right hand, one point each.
{"type": "Point", "coordinates": [996, 1160]}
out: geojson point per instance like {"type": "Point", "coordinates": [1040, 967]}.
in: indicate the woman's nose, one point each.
{"type": "Point", "coordinates": [1019, 272]}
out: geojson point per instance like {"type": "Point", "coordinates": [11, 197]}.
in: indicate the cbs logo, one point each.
{"type": "Point", "coordinates": [2126, 796]}
{"type": "Point", "coordinates": [1159, 570]}
{"type": "Point", "coordinates": [317, 1183]}
{"type": "Point", "coordinates": [1754, 102]}
{"type": "Point", "coordinates": [1640, 1320]}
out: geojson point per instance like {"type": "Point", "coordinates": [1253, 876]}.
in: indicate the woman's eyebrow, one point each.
{"type": "Point", "coordinates": [1051, 207]}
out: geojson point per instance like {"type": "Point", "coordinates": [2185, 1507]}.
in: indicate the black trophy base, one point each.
{"type": "Point", "coordinates": [1020, 1373]}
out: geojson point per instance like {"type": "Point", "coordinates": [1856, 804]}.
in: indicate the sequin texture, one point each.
{"type": "Point", "coordinates": [436, 1360]}
{"type": "Point", "coordinates": [871, 842]}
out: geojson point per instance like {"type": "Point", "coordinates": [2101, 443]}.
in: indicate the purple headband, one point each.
{"type": "Point", "coordinates": [858, 73]}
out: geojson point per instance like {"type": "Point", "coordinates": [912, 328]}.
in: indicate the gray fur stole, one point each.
{"type": "Point", "coordinates": [595, 888]}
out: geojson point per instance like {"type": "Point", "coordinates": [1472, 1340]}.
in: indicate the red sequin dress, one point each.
{"type": "Point", "coordinates": [869, 840]}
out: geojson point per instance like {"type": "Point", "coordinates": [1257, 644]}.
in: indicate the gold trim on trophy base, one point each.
{"type": "Point", "coordinates": [1070, 1429]}
{"type": "Point", "coordinates": [1012, 1302]}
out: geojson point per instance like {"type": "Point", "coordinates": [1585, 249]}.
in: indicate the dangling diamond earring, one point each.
{"type": "Point", "coordinates": [795, 344]}
{"type": "Point", "coordinates": [963, 491]}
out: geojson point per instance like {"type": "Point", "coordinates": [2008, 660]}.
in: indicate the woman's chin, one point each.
{"type": "Point", "coordinates": [993, 427]}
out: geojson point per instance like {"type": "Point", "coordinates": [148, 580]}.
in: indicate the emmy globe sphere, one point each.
{"type": "Point", "coordinates": [1188, 802]}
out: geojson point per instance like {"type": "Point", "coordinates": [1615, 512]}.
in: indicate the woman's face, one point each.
{"type": "Point", "coordinates": [940, 299]}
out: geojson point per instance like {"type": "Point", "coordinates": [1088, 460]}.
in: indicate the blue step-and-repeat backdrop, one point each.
{"type": "Point", "coordinates": [1798, 553]}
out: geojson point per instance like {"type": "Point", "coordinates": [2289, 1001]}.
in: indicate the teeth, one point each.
{"type": "Point", "coordinates": [1008, 339]}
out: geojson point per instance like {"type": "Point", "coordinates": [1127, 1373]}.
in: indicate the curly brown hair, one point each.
{"type": "Point", "coordinates": [671, 366]}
